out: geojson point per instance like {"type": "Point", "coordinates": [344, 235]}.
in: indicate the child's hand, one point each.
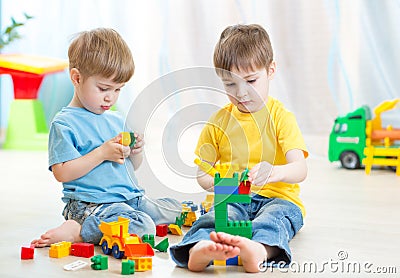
{"type": "Point", "coordinates": [260, 174]}
{"type": "Point", "coordinates": [112, 150]}
{"type": "Point", "coordinates": [139, 144]}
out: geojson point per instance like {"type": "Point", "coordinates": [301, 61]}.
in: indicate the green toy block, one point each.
{"type": "Point", "coordinates": [149, 239]}
{"type": "Point", "coordinates": [234, 181]}
{"type": "Point", "coordinates": [27, 129]}
{"type": "Point", "coordinates": [99, 262]}
{"type": "Point", "coordinates": [128, 267]}
{"type": "Point", "coordinates": [245, 175]}
{"type": "Point", "coordinates": [163, 245]}
{"type": "Point", "coordinates": [133, 139]}
{"type": "Point", "coordinates": [226, 198]}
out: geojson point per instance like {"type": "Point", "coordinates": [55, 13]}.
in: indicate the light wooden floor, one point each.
{"type": "Point", "coordinates": [348, 212]}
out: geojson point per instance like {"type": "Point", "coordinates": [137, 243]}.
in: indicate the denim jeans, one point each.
{"type": "Point", "coordinates": [144, 214]}
{"type": "Point", "coordinates": [275, 222]}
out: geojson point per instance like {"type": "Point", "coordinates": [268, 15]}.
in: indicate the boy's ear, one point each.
{"type": "Point", "coordinates": [75, 76]}
{"type": "Point", "coordinates": [272, 69]}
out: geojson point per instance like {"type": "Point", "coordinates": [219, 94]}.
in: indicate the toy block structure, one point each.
{"type": "Point", "coordinates": [27, 252]}
{"type": "Point", "coordinates": [190, 209]}
{"type": "Point", "coordinates": [128, 267]}
{"type": "Point", "coordinates": [60, 249]}
{"type": "Point", "coordinates": [230, 190]}
{"type": "Point", "coordinates": [162, 230]}
{"type": "Point", "coordinates": [99, 262]}
{"type": "Point", "coordinates": [82, 249]}
{"type": "Point", "coordinates": [175, 229]}
{"type": "Point", "coordinates": [142, 263]}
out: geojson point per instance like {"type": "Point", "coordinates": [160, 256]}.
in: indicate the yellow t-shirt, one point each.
{"type": "Point", "coordinates": [246, 139]}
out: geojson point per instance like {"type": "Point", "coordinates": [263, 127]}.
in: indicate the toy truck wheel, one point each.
{"type": "Point", "coordinates": [350, 160]}
{"type": "Point", "coordinates": [116, 252]}
{"type": "Point", "coordinates": [104, 247]}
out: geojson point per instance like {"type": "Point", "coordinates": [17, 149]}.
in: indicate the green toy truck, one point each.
{"type": "Point", "coordinates": [348, 137]}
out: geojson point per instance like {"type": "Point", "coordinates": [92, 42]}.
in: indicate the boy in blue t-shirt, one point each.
{"type": "Point", "coordinates": [84, 150]}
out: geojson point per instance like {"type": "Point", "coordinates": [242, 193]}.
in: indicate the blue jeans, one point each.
{"type": "Point", "coordinates": [144, 214]}
{"type": "Point", "coordinates": [274, 221]}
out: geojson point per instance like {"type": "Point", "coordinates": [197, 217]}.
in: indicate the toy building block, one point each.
{"type": "Point", "coordinates": [127, 139]}
{"type": "Point", "coordinates": [128, 267]}
{"type": "Point", "coordinates": [245, 175]}
{"type": "Point", "coordinates": [75, 265]}
{"type": "Point", "coordinates": [99, 262]}
{"type": "Point", "coordinates": [219, 263]}
{"type": "Point", "coordinates": [244, 187]}
{"type": "Point", "coordinates": [60, 249]}
{"type": "Point", "coordinates": [175, 229]}
{"type": "Point", "coordinates": [27, 252]}
{"type": "Point", "coordinates": [226, 169]}
{"type": "Point", "coordinates": [205, 167]}
{"type": "Point", "coordinates": [142, 263]}
{"type": "Point", "coordinates": [162, 230]}
{"type": "Point", "coordinates": [149, 239]}
{"type": "Point", "coordinates": [82, 249]}
{"type": "Point", "coordinates": [163, 245]}
{"type": "Point", "coordinates": [189, 204]}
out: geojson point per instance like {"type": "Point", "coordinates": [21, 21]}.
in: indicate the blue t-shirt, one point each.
{"type": "Point", "coordinates": [75, 132]}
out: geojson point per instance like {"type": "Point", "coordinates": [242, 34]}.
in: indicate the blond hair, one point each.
{"type": "Point", "coordinates": [102, 52]}
{"type": "Point", "coordinates": [243, 47]}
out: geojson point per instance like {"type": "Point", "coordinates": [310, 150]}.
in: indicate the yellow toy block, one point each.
{"type": "Point", "coordinates": [125, 139]}
{"type": "Point", "coordinates": [226, 169]}
{"type": "Point", "coordinates": [219, 263]}
{"type": "Point", "coordinates": [32, 64]}
{"type": "Point", "coordinates": [142, 263]}
{"type": "Point", "coordinates": [60, 249]}
{"type": "Point", "coordinates": [175, 229]}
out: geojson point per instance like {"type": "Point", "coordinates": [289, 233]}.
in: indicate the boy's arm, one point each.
{"type": "Point", "coordinates": [294, 171]}
{"type": "Point", "coordinates": [205, 180]}
{"type": "Point", "coordinates": [76, 168]}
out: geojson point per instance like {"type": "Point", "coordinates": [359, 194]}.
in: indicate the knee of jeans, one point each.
{"type": "Point", "coordinates": [142, 224]}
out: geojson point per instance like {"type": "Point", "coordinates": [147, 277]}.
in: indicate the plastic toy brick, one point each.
{"type": "Point", "coordinates": [127, 139]}
{"type": "Point", "coordinates": [128, 267]}
{"type": "Point", "coordinates": [99, 262]}
{"type": "Point", "coordinates": [245, 175]}
{"type": "Point", "coordinates": [226, 169]}
{"type": "Point", "coordinates": [162, 230]}
{"type": "Point", "coordinates": [163, 245]}
{"type": "Point", "coordinates": [205, 167]}
{"type": "Point", "coordinates": [234, 181]}
{"type": "Point", "coordinates": [181, 219]}
{"type": "Point", "coordinates": [226, 190]}
{"type": "Point", "coordinates": [75, 265]}
{"type": "Point", "coordinates": [190, 219]}
{"type": "Point", "coordinates": [60, 249]}
{"type": "Point", "coordinates": [27, 252]}
{"type": "Point", "coordinates": [142, 263]}
{"type": "Point", "coordinates": [244, 187]}
{"type": "Point", "coordinates": [175, 229]}
{"type": "Point", "coordinates": [189, 204]}
{"type": "Point", "coordinates": [219, 263]}
{"type": "Point", "coordinates": [82, 249]}
{"type": "Point", "coordinates": [149, 239]}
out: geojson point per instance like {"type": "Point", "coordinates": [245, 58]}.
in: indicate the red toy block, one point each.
{"type": "Point", "coordinates": [244, 187]}
{"type": "Point", "coordinates": [162, 230]}
{"type": "Point", "coordinates": [27, 252]}
{"type": "Point", "coordinates": [82, 249]}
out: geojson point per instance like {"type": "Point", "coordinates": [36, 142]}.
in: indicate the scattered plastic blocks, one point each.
{"type": "Point", "coordinates": [149, 239]}
{"type": "Point", "coordinates": [82, 249]}
{"type": "Point", "coordinates": [142, 263]}
{"type": "Point", "coordinates": [27, 252]}
{"type": "Point", "coordinates": [162, 230]}
{"type": "Point", "coordinates": [128, 267]}
{"type": "Point", "coordinates": [163, 245]}
{"type": "Point", "coordinates": [99, 262]}
{"type": "Point", "coordinates": [60, 249]}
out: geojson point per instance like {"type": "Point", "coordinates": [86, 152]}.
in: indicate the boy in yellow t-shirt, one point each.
{"type": "Point", "coordinates": [254, 131]}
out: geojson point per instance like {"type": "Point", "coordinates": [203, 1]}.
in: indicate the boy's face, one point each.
{"type": "Point", "coordinates": [96, 94]}
{"type": "Point", "coordinates": [249, 89]}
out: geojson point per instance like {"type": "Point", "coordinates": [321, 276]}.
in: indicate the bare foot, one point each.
{"type": "Point", "coordinates": [252, 253]}
{"type": "Point", "coordinates": [70, 231]}
{"type": "Point", "coordinates": [205, 251]}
